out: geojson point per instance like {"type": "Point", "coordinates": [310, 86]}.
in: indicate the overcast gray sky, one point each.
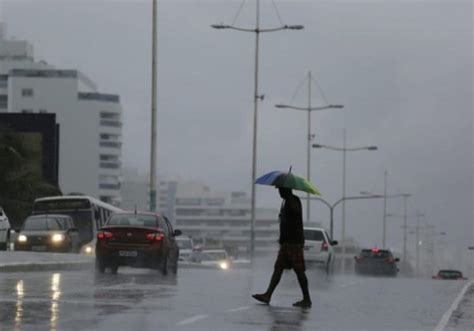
{"type": "Point", "coordinates": [403, 70]}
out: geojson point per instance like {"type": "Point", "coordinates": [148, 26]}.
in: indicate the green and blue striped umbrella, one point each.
{"type": "Point", "coordinates": [287, 180]}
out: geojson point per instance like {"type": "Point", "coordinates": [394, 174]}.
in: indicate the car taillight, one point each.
{"type": "Point", "coordinates": [104, 235]}
{"type": "Point", "coordinates": [154, 236]}
{"type": "Point", "coordinates": [324, 246]}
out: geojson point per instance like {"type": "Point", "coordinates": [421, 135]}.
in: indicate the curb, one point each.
{"type": "Point", "coordinates": [45, 266]}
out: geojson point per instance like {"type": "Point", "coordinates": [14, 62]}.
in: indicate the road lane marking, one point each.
{"type": "Point", "coordinates": [447, 315]}
{"type": "Point", "coordinates": [238, 309]}
{"type": "Point", "coordinates": [192, 319]}
{"type": "Point", "coordinates": [347, 284]}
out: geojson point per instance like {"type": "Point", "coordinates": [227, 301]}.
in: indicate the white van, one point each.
{"type": "Point", "coordinates": [318, 247]}
{"type": "Point", "coordinates": [4, 231]}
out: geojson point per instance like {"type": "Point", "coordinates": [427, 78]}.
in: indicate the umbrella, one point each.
{"type": "Point", "coordinates": [287, 180]}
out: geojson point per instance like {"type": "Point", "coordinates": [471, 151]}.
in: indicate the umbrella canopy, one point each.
{"type": "Point", "coordinates": [287, 180]}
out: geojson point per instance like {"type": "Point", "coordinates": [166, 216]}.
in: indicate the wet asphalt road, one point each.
{"type": "Point", "coordinates": [200, 299]}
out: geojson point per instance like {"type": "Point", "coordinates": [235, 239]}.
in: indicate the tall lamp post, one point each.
{"type": "Point", "coordinates": [153, 111]}
{"type": "Point", "coordinates": [386, 196]}
{"type": "Point", "coordinates": [344, 149]}
{"type": "Point", "coordinates": [309, 109]}
{"type": "Point", "coordinates": [405, 197]}
{"type": "Point", "coordinates": [256, 97]}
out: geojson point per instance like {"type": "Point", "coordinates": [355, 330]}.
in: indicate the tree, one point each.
{"type": "Point", "coordinates": [21, 180]}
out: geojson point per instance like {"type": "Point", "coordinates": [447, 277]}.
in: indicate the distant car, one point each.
{"type": "Point", "coordinates": [376, 262]}
{"type": "Point", "coordinates": [318, 247]}
{"type": "Point", "coordinates": [4, 231]}
{"type": "Point", "coordinates": [186, 247]}
{"type": "Point", "coordinates": [213, 257]}
{"type": "Point", "coordinates": [449, 274]}
{"type": "Point", "coordinates": [48, 233]}
{"type": "Point", "coordinates": [140, 240]}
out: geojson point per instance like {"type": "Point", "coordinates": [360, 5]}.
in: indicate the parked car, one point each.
{"type": "Point", "coordinates": [48, 233]}
{"type": "Point", "coordinates": [376, 262]}
{"type": "Point", "coordinates": [140, 240]}
{"type": "Point", "coordinates": [319, 247]}
{"type": "Point", "coordinates": [449, 274]}
{"type": "Point", "coordinates": [213, 257]}
{"type": "Point", "coordinates": [186, 247]}
{"type": "Point", "coordinates": [4, 231]}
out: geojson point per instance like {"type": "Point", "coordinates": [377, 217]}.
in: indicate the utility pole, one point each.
{"type": "Point", "coordinates": [308, 162]}
{"type": "Point", "coordinates": [153, 110]}
{"type": "Point", "coordinates": [384, 235]}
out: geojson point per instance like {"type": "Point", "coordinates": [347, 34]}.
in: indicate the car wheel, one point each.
{"type": "Point", "coordinates": [164, 265]}
{"type": "Point", "coordinates": [175, 267]}
{"type": "Point", "coordinates": [99, 266]}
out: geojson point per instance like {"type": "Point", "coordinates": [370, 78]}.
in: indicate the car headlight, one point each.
{"type": "Point", "coordinates": [22, 238]}
{"type": "Point", "coordinates": [224, 265]}
{"type": "Point", "coordinates": [88, 250]}
{"type": "Point", "coordinates": [58, 237]}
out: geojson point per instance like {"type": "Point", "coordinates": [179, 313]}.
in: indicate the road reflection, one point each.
{"type": "Point", "coordinates": [55, 294]}
{"type": "Point", "coordinates": [20, 293]}
{"type": "Point", "coordinates": [284, 319]}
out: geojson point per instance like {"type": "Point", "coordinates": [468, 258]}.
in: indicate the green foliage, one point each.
{"type": "Point", "coordinates": [20, 176]}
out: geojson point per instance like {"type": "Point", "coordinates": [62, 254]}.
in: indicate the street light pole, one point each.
{"type": "Point", "coordinates": [405, 197]}
{"type": "Point", "coordinates": [343, 237]}
{"type": "Point", "coordinates": [257, 30]}
{"type": "Point", "coordinates": [384, 234]}
{"type": "Point", "coordinates": [153, 111]}
{"type": "Point", "coordinates": [254, 140]}
{"type": "Point", "coordinates": [309, 109]}
{"type": "Point", "coordinates": [344, 149]}
{"type": "Point", "coordinates": [308, 159]}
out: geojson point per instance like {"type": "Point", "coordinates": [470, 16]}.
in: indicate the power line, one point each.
{"type": "Point", "coordinates": [242, 4]}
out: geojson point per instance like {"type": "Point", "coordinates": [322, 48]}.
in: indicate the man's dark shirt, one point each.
{"type": "Point", "coordinates": [291, 222]}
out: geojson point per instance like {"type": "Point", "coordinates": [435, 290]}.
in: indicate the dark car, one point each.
{"type": "Point", "coordinates": [449, 274]}
{"type": "Point", "coordinates": [140, 240]}
{"type": "Point", "coordinates": [376, 262]}
{"type": "Point", "coordinates": [48, 233]}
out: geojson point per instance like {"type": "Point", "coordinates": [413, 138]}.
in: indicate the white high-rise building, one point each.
{"type": "Point", "coordinates": [217, 218]}
{"type": "Point", "coordinates": [90, 121]}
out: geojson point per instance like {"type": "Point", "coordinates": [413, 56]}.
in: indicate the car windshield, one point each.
{"type": "Point", "coordinates": [43, 224]}
{"type": "Point", "coordinates": [214, 256]}
{"type": "Point", "coordinates": [450, 273]}
{"type": "Point", "coordinates": [134, 220]}
{"type": "Point", "coordinates": [315, 235]}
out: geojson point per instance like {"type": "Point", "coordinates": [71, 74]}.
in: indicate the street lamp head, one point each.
{"type": "Point", "coordinates": [336, 106]}
{"type": "Point", "coordinates": [219, 26]}
{"type": "Point", "coordinates": [281, 106]}
{"type": "Point", "coordinates": [317, 146]}
{"type": "Point", "coordinates": [372, 148]}
{"type": "Point", "coordinates": [294, 27]}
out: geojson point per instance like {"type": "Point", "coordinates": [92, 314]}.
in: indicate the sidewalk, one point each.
{"type": "Point", "coordinates": [12, 261]}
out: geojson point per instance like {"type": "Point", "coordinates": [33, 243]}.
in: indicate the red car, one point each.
{"type": "Point", "coordinates": [140, 240]}
{"type": "Point", "coordinates": [449, 275]}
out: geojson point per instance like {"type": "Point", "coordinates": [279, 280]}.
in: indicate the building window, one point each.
{"type": "Point", "coordinates": [109, 116]}
{"type": "Point", "coordinates": [27, 92]}
{"type": "Point", "coordinates": [112, 123]}
{"type": "Point", "coordinates": [109, 158]}
{"type": "Point", "coordinates": [3, 101]}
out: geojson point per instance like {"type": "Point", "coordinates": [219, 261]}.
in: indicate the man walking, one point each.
{"type": "Point", "coordinates": [290, 255]}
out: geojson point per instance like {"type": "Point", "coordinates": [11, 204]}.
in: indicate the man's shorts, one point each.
{"type": "Point", "coordinates": [290, 256]}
